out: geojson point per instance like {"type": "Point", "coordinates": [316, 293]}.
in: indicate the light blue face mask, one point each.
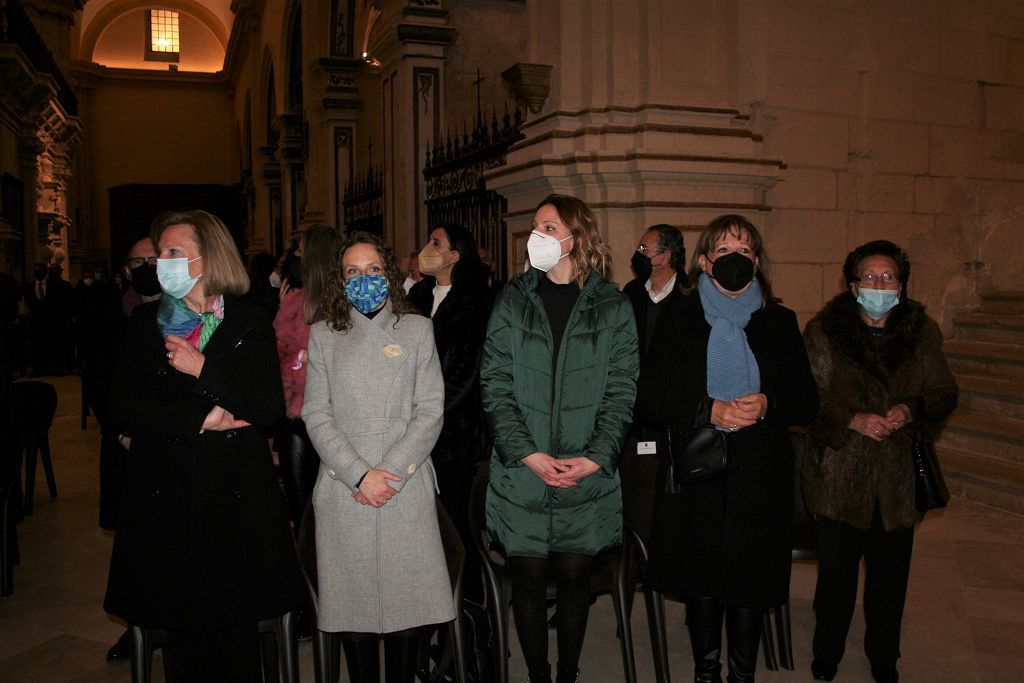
{"type": "Point", "coordinates": [367, 292]}
{"type": "Point", "coordinates": [878, 302]}
{"type": "Point", "coordinates": [172, 273]}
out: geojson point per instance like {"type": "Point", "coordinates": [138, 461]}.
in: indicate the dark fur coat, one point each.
{"type": "Point", "coordinates": [858, 372]}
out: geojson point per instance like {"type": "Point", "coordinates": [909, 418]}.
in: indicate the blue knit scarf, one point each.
{"type": "Point", "coordinates": [732, 368]}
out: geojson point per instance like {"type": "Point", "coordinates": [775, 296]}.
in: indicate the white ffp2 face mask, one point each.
{"type": "Point", "coordinates": [545, 251]}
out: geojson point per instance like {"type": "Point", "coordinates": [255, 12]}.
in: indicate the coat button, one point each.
{"type": "Point", "coordinates": [155, 493]}
{"type": "Point", "coordinates": [162, 372]}
{"type": "Point", "coordinates": [332, 473]}
{"type": "Point", "coordinates": [411, 468]}
{"type": "Point", "coordinates": [230, 434]}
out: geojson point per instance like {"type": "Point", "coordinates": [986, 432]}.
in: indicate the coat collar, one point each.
{"type": "Point", "coordinates": [850, 337]}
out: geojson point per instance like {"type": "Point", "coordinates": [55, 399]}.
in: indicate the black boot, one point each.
{"type": "Point", "coordinates": [743, 626]}
{"type": "Point", "coordinates": [541, 676]}
{"type": "Point", "coordinates": [704, 621]}
{"type": "Point", "coordinates": [567, 674]}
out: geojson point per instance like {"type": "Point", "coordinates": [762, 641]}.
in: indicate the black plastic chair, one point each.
{"type": "Point", "coordinates": [608, 576]}
{"type": "Point", "coordinates": [35, 404]}
{"type": "Point", "coordinates": [283, 667]}
{"type": "Point", "coordinates": [805, 547]}
{"type": "Point", "coordinates": [327, 645]}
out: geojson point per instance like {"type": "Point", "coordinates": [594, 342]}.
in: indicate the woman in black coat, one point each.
{"type": "Point", "coordinates": [725, 544]}
{"type": "Point", "coordinates": [203, 547]}
{"type": "Point", "coordinates": [455, 295]}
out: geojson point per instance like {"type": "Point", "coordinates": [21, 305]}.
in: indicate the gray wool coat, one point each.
{"type": "Point", "coordinates": [375, 398]}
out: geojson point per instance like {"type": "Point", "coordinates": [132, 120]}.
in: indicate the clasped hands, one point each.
{"type": "Point", "coordinates": [374, 489]}
{"type": "Point", "coordinates": [740, 412]}
{"type": "Point", "coordinates": [560, 473]}
{"type": "Point", "coordinates": [881, 427]}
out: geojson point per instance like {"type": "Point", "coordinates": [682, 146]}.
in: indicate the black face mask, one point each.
{"type": "Point", "coordinates": [733, 271]}
{"type": "Point", "coordinates": [641, 266]}
{"type": "Point", "coordinates": [144, 280]}
{"type": "Point", "coordinates": [293, 270]}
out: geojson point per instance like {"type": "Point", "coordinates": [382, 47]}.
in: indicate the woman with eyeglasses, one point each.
{"type": "Point", "coordinates": [559, 380]}
{"type": "Point", "coordinates": [202, 548]}
{"type": "Point", "coordinates": [373, 407]}
{"type": "Point", "coordinates": [877, 358]}
{"type": "Point", "coordinates": [727, 355]}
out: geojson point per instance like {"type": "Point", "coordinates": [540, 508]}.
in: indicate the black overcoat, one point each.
{"type": "Point", "coordinates": [729, 537]}
{"type": "Point", "coordinates": [203, 537]}
{"type": "Point", "coordinates": [460, 326]}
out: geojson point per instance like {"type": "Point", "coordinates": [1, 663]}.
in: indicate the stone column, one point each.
{"type": "Point", "coordinates": [411, 54]}
{"type": "Point", "coordinates": [642, 120]}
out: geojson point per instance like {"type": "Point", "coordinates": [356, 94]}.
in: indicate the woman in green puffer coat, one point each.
{"type": "Point", "coordinates": [558, 374]}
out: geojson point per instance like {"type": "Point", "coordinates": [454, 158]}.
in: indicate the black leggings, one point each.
{"type": "Point", "coordinates": [530, 575]}
{"type": "Point", "coordinates": [362, 655]}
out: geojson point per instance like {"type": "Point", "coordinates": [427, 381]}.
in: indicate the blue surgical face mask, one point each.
{"type": "Point", "coordinates": [172, 273]}
{"type": "Point", "coordinates": [367, 292]}
{"type": "Point", "coordinates": [878, 302]}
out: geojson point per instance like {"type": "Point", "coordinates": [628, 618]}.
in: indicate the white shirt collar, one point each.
{"type": "Point", "coordinates": [656, 297]}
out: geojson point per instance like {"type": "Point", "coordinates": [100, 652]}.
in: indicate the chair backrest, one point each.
{"type": "Point", "coordinates": [805, 540]}
{"type": "Point", "coordinates": [35, 404]}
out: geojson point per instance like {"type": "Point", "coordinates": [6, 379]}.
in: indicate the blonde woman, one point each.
{"type": "Point", "coordinates": [559, 379]}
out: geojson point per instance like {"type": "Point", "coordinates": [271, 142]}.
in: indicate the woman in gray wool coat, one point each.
{"type": "Point", "coordinates": [877, 358]}
{"type": "Point", "coordinates": [373, 407]}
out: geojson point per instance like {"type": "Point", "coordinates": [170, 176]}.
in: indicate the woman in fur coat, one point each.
{"type": "Point", "coordinates": [877, 358]}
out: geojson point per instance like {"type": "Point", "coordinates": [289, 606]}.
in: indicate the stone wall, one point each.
{"type": "Point", "coordinates": [902, 121]}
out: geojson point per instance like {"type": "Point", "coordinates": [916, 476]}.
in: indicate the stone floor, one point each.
{"type": "Point", "coordinates": [964, 618]}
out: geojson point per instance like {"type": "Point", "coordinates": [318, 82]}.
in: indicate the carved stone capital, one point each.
{"type": "Point", "coordinates": [530, 83]}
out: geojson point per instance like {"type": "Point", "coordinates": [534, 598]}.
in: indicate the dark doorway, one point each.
{"type": "Point", "coordinates": [133, 208]}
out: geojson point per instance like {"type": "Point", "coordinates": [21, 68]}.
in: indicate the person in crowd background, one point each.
{"type": "Point", "coordinates": [410, 270]}
{"type": "Point", "coordinates": [140, 281]}
{"type": "Point", "coordinates": [659, 263]}
{"type": "Point", "coordinates": [202, 547]}
{"type": "Point", "coordinates": [454, 294]}
{"type": "Point", "coordinates": [559, 381]}
{"type": "Point", "coordinates": [878, 361]}
{"type": "Point", "coordinates": [266, 280]}
{"type": "Point", "coordinates": [140, 276]}
{"type": "Point", "coordinates": [729, 355]}
{"type": "Point", "coordinates": [374, 406]}
{"type": "Point", "coordinates": [307, 272]}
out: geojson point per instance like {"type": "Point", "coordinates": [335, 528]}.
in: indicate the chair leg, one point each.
{"type": "Point", "coordinates": [457, 634]}
{"type": "Point", "coordinates": [141, 655]}
{"type": "Point", "coordinates": [499, 624]}
{"type": "Point", "coordinates": [30, 477]}
{"type": "Point", "coordinates": [655, 603]}
{"type": "Point", "coordinates": [770, 660]}
{"type": "Point", "coordinates": [288, 649]}
{"type": "Point", "coordinates": [625, 631]}
{"type": "Point", "coordinates": [51, 481]}
{"type": "Point", "coordinates": [783, 628]}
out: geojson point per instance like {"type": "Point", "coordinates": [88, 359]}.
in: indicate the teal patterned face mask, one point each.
{"type": "Point", "coordinates": [367, 292]}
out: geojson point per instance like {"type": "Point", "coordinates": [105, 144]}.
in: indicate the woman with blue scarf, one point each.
{"type": "Point", "coordinates": [728, 355]}
{"type": "Point", "coordinates": [203, 548]}
{"type": "Point", "coordinates": [373, 407]}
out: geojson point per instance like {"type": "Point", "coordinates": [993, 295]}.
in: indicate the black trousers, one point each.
{"type": "Point", "coordinates": [299, 464]}
{"type": "Point", "coordinates": [220, 655]}
{"type": "Point", "coordinates": [887, 565]}
{"type": "Point", "coordinates": [704, 617]}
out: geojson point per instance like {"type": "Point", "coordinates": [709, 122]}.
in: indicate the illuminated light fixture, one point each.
{"type": "Point", "coordinates": [372, 16]}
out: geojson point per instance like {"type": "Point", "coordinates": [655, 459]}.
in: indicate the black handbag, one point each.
{"type": "Point", "coordinates": [701, 457]}
{"type": "Point", "coordinates": [930, 492]}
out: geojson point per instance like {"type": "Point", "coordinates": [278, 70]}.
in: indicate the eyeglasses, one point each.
{"type": "Point", "coordinates": [648, 251]}
{"type": "Point", "coordinates": [873, 279]}
{"type": "Point", "coordinates": [138, 261]}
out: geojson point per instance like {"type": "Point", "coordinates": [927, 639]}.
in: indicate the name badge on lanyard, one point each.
{"type": "Point", "coordinates": [646, 447]}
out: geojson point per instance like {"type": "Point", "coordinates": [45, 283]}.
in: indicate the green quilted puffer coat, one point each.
{"type": "Point", "coordinates": [585, 411]}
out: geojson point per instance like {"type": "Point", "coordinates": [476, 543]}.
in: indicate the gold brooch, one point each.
{"type": "Point", "coordinates": [393, 350]}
